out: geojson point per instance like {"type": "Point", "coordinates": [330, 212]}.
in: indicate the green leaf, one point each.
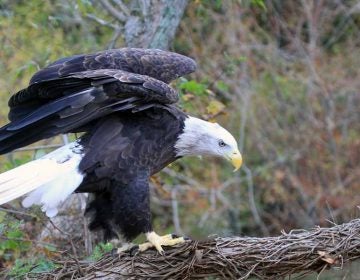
{"type": "Point", "coordinates": [16, 233]}
{"type": "Point", "coordinates": [99, 250]}
{"type": "Point", "coordinates": [222, 86]}
{"type": "Point", "coordinates": [43, 265]}
{"type": "Point", "coordinates": [50, 248]}
{"type": "Point", "coordinates": [258, 3]}
{"type": "Point", "coordinates": [194, 87]}
{"type": "Point", "coordinates": [20, 268]}
{"type": "Point", "coordinates": [10, 245]}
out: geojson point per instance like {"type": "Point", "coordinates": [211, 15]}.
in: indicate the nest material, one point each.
{"type": "Point", "coordinates": [297, 252]}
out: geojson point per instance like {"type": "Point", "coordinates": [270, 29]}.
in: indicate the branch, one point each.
{"type": "Point", "coordinates": [113, 11]}
{"type": "Point", "coordinates": [299, 251]}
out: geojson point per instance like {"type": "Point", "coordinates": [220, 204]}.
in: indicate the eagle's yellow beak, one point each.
{"type": "Point", "coordinates": [236, 159]}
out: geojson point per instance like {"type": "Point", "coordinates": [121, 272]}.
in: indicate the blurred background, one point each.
{"type": "Point", "coordinates": [282, 76]}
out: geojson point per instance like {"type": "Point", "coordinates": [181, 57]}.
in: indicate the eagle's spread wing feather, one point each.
{"type": "Point", "coordinates": [161, 65]}
{"type": "Point", "coordinates": [71, 93]}
{"type": "Point", "coordinates": [106, 88]}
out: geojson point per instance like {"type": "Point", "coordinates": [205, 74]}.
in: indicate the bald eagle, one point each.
{"type": "Point", "coordinates": [123, 104]}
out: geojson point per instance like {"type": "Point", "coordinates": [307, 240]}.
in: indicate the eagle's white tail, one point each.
{"type": "Point", "coordinates": [50, 179]}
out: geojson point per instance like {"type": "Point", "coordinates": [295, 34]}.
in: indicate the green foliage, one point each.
{"type": "Point", "coordinates": [232, 63]}
{"type": "Point", "coordinates": [192, 92]}
{"type": "Point", "coordinates": [14, 246]}
{"type": "Point", "coordinates": [99, 250]}
{"type": "Point", "coordinates": [20, 268]}
{"type": "Point", "coordinates": [31, 266]}
{"type": "Point", "coordinates": [222, 86]}
{"type": "Point", "coordinates": [12, 238]}
{"type": "Point", "coordinates": [258, 3]}
{"type": "Point", "coordinates": [198, 98]}
{"type": "Point", "coordinates": [194, 87]}
{"type": "Point", "coordinates": [15, 162]}
{"type": "Point", "coordinates": [43, 265]}
{"type": "Point", "coordinates": [34, 33]}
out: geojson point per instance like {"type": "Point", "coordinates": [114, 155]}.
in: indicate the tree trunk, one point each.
{"type": "Point", "coordinates": [152, 24]}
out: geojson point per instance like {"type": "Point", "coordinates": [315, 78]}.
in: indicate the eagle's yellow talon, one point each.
{"type": "Point", "coordinates": [154, 240]}
{"type": "Point", "coordinates": [167, 236]}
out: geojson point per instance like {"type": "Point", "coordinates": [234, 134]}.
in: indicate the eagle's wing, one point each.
{"type": "Point", "coordinates": [157, 64]}
{"type": "Point", "coordinates": [102, 89]}
{"type": "Point", "coordinates": [69, 94]}
{"type": "Point", "coordinates": [161, 65]}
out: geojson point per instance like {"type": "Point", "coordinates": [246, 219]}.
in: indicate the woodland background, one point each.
{"type": "Point", "coordinates": [282, 76]}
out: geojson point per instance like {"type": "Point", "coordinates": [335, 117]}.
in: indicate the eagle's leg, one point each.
{"type": "Point", "coordinates": [125, 247]}
{"type": "Point", "coordinates": [157, 241]}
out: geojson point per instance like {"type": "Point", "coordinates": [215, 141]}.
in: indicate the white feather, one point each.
{"type": "Point", "coordinates": [50, 179]}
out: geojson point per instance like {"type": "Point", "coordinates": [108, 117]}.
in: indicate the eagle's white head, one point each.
{"type": "Point", "coordinates": [200, 137]}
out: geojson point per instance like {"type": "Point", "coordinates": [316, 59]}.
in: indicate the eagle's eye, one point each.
{"type": "Point", "coordinates": [222, 143]}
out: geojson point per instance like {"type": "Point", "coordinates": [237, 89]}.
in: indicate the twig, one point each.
{"type": "Point", "coordinates": [252, 203]}
{"type": "Point", "coordinates": [38, 147]}
{"type": "Point", "coordinates": [17, 212]}
{"type": "Point", "coordinates": [115, 37]}
{"type": "Point", "coordinates": [175, 211]}
{"type": "Point", "coordinates": [102, 21]}
{"type": "Point", "coordinates": [113, 11]}
{"type": "Point", "coordinates": [123, 7]}
{"type": "Point", "coordinates": [67, 234]}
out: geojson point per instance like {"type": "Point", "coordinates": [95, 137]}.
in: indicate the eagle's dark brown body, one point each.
{"type": "Point", "coordinates": [121, 152]}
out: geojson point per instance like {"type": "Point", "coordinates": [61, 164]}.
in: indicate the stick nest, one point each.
{"type": "Point", "coordinates": [297, 252]}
